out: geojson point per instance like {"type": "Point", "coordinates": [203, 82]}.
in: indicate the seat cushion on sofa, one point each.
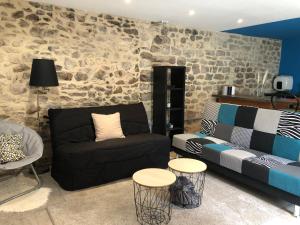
{"type": "Point", "coordinates": [258, 167]}
{"type": "Point", "coordinates": [278, 172]}
{"type": "Point", "coordinates": [233, 159]}
{"type": "Point", "coordinates": [90, 154]}
{"type": "Point", "coordinates": [193, 143]}
{"type": "Point", "coordinates": [286, 177]}
{"type": "Point", "coordinates": [179, 140]}
{"type": "Point", "coordinates": [228, 155]}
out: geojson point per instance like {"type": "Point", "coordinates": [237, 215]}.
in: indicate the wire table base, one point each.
{"type": "Point", "coordinates": [153, 205]}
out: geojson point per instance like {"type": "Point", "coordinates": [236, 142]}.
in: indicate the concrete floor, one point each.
{"type": "Point", "coordinates": [224, 202]}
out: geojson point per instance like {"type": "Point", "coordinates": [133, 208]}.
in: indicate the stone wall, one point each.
{"type": "Point", "coordinates": [103, 60]}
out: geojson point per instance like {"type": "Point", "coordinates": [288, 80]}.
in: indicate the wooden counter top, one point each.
{"type": "Point", "coordinates": [260, 102]}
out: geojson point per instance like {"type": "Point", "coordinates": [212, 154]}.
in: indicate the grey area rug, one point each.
{"type": "Point", "coordinates": [224, 203]}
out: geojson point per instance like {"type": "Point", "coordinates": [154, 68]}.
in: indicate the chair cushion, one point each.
{"type": "Point", "coordinates": [91, 154]}
{"type": "Point", "coordinates": [11, 146]}
{"type": "Point", "coordinates": [32, 145]}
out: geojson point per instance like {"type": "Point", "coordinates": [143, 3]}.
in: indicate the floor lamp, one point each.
{"type": "Point", "coordinates": [43, 74]}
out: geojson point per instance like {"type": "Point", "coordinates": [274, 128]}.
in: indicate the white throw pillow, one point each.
{"type": "Point", "coordinates": [107, 126]}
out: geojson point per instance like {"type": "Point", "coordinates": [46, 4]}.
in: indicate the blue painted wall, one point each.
{"type": "Point", "coordinates": [290, 61]}
{"type": "Point", "coordinates": [289, 32]}
{"type": "Point", "coordinates": [278, 30]}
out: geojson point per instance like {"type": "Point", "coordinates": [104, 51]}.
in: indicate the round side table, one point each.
{"type": "Point", "coordinates": [152, 195]}
{"type": "Point", "coordinates": [187, 191]}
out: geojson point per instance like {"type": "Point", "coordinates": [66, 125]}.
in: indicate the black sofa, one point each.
{"type": "Point", "coordinates": [80, 162]}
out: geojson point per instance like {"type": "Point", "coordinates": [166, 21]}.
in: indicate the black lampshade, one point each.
{"type": "Point", "coordinates": [43, 73]}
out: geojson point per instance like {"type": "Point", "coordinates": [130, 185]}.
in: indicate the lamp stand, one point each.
{"type": "Point", "coordinates": [40, 90]}
{"type": "Point", "coordinates": [38, 107]}
{"type": "Point", "coordinates": [40, 169]}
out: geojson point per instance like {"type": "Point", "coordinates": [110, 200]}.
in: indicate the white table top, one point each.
{"type": "Point", "coordinates": [186, 165]}
{"type": "Point", "coordinates": [154, 177]}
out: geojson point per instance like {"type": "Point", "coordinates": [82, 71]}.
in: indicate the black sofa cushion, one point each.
{"type": "Point", "coordinates": [90, 154]}
{"type": "Point", "coordinates": [75, 125]}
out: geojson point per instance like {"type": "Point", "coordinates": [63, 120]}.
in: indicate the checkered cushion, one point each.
{"type": "Point", "coordinates": [241, 136]}
{"type": "Point", "coordinates": [223, 131]}
{"type": "Point", "coordinates": [211, 111]}
{"type": "Point", "coordinates": [245, 117]}
{"type": "Point", "coordinates": [267, 120]}
{"type": "Point", "coordinates": [227, 114]}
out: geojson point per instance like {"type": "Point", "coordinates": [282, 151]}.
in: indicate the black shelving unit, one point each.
{"type": "Point", "coordinates": [168, 87]}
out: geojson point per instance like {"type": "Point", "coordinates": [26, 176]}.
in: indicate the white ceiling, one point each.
{"type": "Point", "coordinates": [214, 15]}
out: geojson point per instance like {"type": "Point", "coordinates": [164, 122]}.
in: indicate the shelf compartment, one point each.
{"type": "Point", "coordinates": [175, 88]}
{"type": "Point", "coordinates": [174, 128]}
{"type": "Point", "coordinates": [174, 109]}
